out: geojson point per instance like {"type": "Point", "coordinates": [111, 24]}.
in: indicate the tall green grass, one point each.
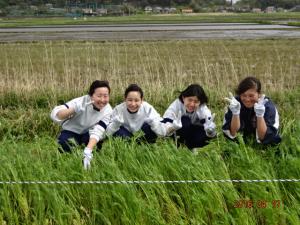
{"type": "Point", "coordinates": [37, 76]}
{"type": "Point", "coordinates": [198, 203]}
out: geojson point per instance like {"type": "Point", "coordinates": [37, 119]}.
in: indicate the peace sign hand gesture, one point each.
{"type": "Point", "coordinates": [259, 107]}
{"type": "Point", "coordinates": [234, 104]}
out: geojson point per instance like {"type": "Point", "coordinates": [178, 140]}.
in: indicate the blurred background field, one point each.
{"type": "Point", "coordinates": [39, 75]}
{"type": "Point", "coordinates": [290, 18]}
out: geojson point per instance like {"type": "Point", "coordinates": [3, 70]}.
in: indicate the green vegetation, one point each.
{"type": "Point", "coordinates": [176, 18]}
{"type": "Point", "coordinates": [297, 24]}
{"type": "Point", "coordinates": [37, 76]}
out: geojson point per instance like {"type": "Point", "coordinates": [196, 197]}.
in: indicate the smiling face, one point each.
{"type": "Point", "coordinates": [191, 103]}
{"type": "Point", "coordinates": [100, 97]}
{"type": "Point", "coordinates": [133, 101]}
{"type": "Point", "coordinates": [250, 97]}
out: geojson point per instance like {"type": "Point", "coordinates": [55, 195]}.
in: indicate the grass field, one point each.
{"type": "Point", "coordinates": [37, 76]}
{"type": "Point", "coordinates": [265, 18]}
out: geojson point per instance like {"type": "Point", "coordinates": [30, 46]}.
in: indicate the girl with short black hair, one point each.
{"type": "Point", "coordinates": [135, 114]}
{"type": "Point", "coordinates": [251, 113]}
{"type": "Point", "coordinates": [84, 119]}
{"type": "Point", "coordinates": [190, 117]}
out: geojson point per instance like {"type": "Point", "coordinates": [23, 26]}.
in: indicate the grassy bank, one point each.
{"type": "Point", "coordinates": [37, 76]}
{"type": "Point", "coordinates": [175, 18]}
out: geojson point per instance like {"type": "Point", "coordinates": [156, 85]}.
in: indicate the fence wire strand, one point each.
{"type": "Point", "coordinates": [149, 181]}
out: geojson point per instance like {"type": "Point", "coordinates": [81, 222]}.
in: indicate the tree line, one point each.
{"type": "Point", "coordinates": [286, 4]}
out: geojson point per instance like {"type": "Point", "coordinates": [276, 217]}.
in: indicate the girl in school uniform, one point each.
{"type": "Point", "coordinates": [84, 119]}
{"type": "Point", "coordinates": [251, 113]}
{"type": "Point", "coordinates": [135, 114]}
{"type": "Point", "coordinates": [190, 117]}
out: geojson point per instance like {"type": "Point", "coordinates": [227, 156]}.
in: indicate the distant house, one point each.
{"type": "Point", "coordinates": [101, 11]}
{"type": "Point", "coordinates": [166, 10]}
{"type": "Point", "coordinates": [148, 9]}
{"type": "Point", "coordinates": [280, 9]}
{"type": "Point", "coordinates": [270, 9]}
{"type": "Point", "coordinates": [49, 5]}
{"type": "Point", "coordinates": [187, 10]}
{"type": "Point", "coordinates": [33, 7]}
{"type": "Point", "coordinates": [173, 10]}
{"type": "Point", "coordinates": [256, 10]}
{"type": "Point", "coordinates": [157, 9]}
{"type": "Point", "coordinates": [87, 11]}
{"type": "Point", "coordinates": [244, 9]}
{"type": "Point", "coordinates": [230, 9]}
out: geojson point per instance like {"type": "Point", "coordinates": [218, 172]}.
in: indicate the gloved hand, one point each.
{"type": "Point", "coordinates": [234, 104]}
{"type": "Point", "coordinates": [79, 107]}
{"type": "Point", "coordinates": [259, 107]}
{"type": "Point", "coordinates": [210, 126]}
{"type": "Point", "coordinates": [87, 157]}
{"type": "Point", "coordinates": [175, 125]}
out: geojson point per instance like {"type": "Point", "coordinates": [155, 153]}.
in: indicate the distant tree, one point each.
{"type": "Point", "coordinates": [263, 4]}
{"type": "Point", "coordinates": [195, 6]}
{"type": "Point", "coordinates": [144, 3]}
{"type": "Point", "coordinates": [3, 3]}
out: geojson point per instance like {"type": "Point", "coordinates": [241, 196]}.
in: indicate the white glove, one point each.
{"type": "Point", "coordinates": [234, 104]}
{"type": "Point", "coordinates": [175, 125]}
{"type": "Point", "coordinates": [79, 107]}
{"type": "Point", "coordinates": [210, 126]}
{"type": "Point", "coordinates": [87, 157]}
{"type": "Point", "coordinates": [259, 107]}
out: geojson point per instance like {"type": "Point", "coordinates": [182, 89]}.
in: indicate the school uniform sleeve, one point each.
{"type": "Point", "coordinates": [54, 112]}
{"type": "Point", "coordinates": [172, 111]}
{"type": "Point", "coordinates": [113, 126]}
{"type": "Point", "coordinates": [98, 131]}
{"type": "Point", "coordinates": [152, 113]}
{"type": "Point", "coordinates": [271, 117]}
{"type": "Point", "coordinates": [156, 121]}
{"type": "Point", "coordinates": [69, 104]}
{"type": "Point", "coordinates": [78, 101]}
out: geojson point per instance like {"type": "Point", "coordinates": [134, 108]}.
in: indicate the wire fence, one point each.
{"type": "Point", "coordinates": [149, 181]}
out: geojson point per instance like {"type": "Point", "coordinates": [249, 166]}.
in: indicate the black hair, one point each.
{"type": "Point", "coordinates": [98, 84]}
{"type": "Point", "coordinates": [248, 83]}
{"type": "Point", "coordinates": [134, 87]}
{"type": "Point", "coordinates": [194, 90]}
